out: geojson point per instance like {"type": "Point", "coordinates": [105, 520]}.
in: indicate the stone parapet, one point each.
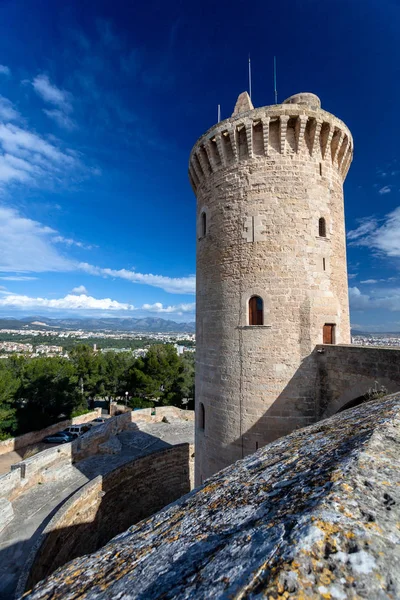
{"type": "Point", "coordinates": [267, 132]}
{"type": "Point", "coordinates": [313, 515]}
{"type": "Point", "coordinates": [106, 506]}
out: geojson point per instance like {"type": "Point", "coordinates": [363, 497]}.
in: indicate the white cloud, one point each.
{"type": "Point", "coordinates": [25, 245]}
{"type": "Point", "coordinates": [157, 307]}
{"type": "Point", "coordinates": [385, 190]}
{"type": "Point", "coordinates": [383, 237]}
{"type": "Point", "coordinates": [18, 278]}
{"type": "Point", "coordinates": [51, 93]}
{"type": "Point", "coordinates": [59, 239]}
{"type": "Point", "coordinates": [69, 302]}
{"type": "Point", "coordinates": [367, 225]}
{"type": "Point", "coordinates": [387, 299]}
{"type": "Point", "coordinates": [4, 70]}
{"type": "Point", "coordinates": [80, 289]}
{"type": "Point", "coordinates": [173, 285]}
{"type": "Point", "coordinates": [352, 275]}
{"type": "Point", "coordinates": [7, 110]}
{"type": "Point", "coordinates": [369, 281]}
{"type": "Point", "coordinates": [61, 119]}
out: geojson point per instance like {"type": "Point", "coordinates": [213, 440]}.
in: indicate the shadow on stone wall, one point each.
{"type": "Point", "coordinates": [330, 379]}
{"type": "Point", "coordinates": [107, 506]}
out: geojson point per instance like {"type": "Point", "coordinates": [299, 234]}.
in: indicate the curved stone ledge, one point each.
{"type": "Point", "coordinates": [106, 506]}
{"type": "Point", "coordinates": [314, 514]}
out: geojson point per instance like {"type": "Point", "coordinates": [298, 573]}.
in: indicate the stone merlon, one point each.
{"type": "Point", "coordinates": [312, 515]}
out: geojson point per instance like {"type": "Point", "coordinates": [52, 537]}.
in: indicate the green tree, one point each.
{"type": "Point", "coordinates": [8, 387]}
{"type": "Point", "coordinates": [47, 393]}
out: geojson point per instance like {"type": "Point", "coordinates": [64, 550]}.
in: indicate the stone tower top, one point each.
{"type": "Point", "coordinates": [297, 126]}
{"type": "Point", "coordinates": [304, 98]}
{"type": "Point", "coordinates": [243, 104]}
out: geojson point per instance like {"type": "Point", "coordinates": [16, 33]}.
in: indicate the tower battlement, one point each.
{"type": "Point", "coordinates": [297, 127]}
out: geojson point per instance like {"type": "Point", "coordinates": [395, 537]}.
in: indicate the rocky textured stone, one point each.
{"type": "Point", "coordinates": [111, 446]}
{"type": "Point", "coordinates": [312, 515]}
{"type": "Point", "coordinates": [6, 513]}
{"type": "Point", "coordinates": [263, 180]}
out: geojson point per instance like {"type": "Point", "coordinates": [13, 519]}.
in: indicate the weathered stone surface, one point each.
{"type": "Point", "coordinates": [263, 180]}
{"type": "Point", "coordinates": [243, 104]}
{"type": "Point", "coordinates": [6, 513]}
{"type": "Point", "coordinates": [111, 446]}
{"type": "Point", "coordinates": [312, 515]}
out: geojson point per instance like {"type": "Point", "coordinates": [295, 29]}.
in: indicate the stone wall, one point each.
{"type": "Point", "coordinates": [313, 515]}
{"type": "Point", "coordinates": [263, 179]}
{"type": "Point", "coordinates": [350, 372]}
{"type": "Point", "coordinates": [33, 437]}
{"type": "Point", "coordinates": [49, 464]}
{"type": "Point", "coordinates": [108, 505]}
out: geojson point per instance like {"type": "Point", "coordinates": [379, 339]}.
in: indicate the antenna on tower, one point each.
{"type": "Point", "coordinates": [249, 77]}
{"type": "Point", "coordinates": [219, 113]}
{"type": "Point", "coordinates": [275, 90]}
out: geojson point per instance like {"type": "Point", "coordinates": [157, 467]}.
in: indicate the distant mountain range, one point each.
{"type": "Point", "coordinates": [148, 324]}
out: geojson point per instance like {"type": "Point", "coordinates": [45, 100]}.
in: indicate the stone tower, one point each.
{"type": "Point", "coordinates": [271, 271]}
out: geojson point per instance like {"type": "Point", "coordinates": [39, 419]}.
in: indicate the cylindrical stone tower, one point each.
{"type": "Point", "coordinates": [271, 271]}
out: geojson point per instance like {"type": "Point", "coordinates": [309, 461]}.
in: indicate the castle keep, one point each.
{"type": "Point", "coordinates": [271, 271]}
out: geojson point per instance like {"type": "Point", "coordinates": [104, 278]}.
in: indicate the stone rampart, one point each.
{"type": "Point", "coordinates": [49, 463]}
{"type": "Point", "coordinates": [34, 437]}
{"type": "Point", "coordinates": [349, 372]}
{"type": "Point", "coordinates": [313, 515]}
{"type": "Point", "coordinates": [106, 506]}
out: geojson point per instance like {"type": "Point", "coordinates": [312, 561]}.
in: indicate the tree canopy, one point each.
{"type": "Point", "coordinates": [36, 392]}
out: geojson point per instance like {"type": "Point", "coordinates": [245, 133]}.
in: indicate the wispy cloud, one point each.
{"type": "Point", "coordinates": [18, 278]}
{"type": "Point", "coordinates": [25, 245]}
{"type": "Point", "coordinates": [385, 190]}
{"type": "Point", "coordinates": [370, 281]}
{"type": "Point", "coordinates": [173, 285]}
{"type": "Point", "coordinates": [59, 239]}
{"type": "Point", "coordinates": [4, 70]}
{"type": "Point", "coordinates": [7, 110]}
{"type": "Point", "coordinates": [62, 99]}
{"type": "Point", "coordinates": [51, 93]}
{"type": "Point", "coordinates": [382, 236]}
{"type": "Point", "coordinates": [366, 226]}
{"type": "Point", "coordinates": [61, 119]}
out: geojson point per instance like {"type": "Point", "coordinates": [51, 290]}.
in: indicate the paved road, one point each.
{"type": "Point", "coordinates": [34, 509]}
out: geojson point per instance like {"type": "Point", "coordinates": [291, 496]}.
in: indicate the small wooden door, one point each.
{"type": "Point", "coordinates": [327, 337]}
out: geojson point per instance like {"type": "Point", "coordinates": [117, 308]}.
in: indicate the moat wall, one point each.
{"type": "Point", "coordinates": [107, 506]}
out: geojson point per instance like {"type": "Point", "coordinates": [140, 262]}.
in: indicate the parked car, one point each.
{"type": "Point", "coordinates": [61, 437]}
{"type": "Point", "coordinates": [77, 430]}
{"type": "Point", "coordinates": [98, 421]}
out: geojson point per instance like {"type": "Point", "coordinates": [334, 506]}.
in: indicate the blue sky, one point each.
{"type": "Point", "coordinates": [100, 105]}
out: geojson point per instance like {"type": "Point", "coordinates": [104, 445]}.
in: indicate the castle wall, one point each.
{"type": "Point", "coordinates": [264, 179]}
{"type": "Point", "coordinates": [350, 372]}
{"type": "Point", "coordinates": [34, 437]}
{"type": "Point", "coordinates": [107, 506]}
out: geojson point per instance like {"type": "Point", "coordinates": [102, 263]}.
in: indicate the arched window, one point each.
{"type": "Point", "coordinates": [203, 224]}
{"type": "Point", "coordinates": [322, 227]}
{"type": "Point", "coordinates": [256, 311]}
{"type": "Point", "coordinates": [202, 417]}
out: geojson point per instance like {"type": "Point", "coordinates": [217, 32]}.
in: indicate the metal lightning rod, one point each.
{"type": "Point", "coordinates": [275, 90]}
{"type": "Point", "coordinates": [249, 77]}
{"type": "Point", "coordinates": [219, 113]}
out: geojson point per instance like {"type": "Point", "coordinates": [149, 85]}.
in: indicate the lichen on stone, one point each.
{"type": "Point", "coordinates": [312, 515]}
